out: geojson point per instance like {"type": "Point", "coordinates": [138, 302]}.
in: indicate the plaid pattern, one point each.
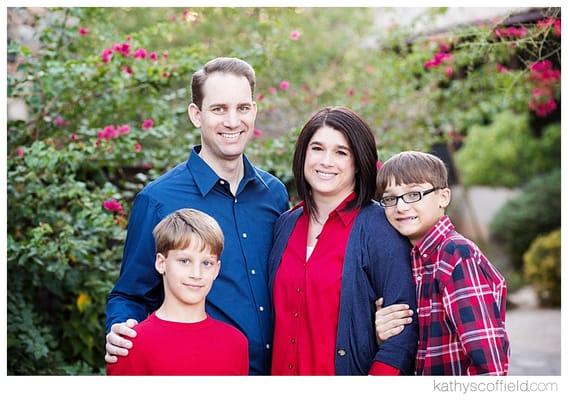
{"type": "Point", "coordinates": [461, 306]}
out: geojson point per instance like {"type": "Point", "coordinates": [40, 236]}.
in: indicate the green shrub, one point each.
{"type": "Point", "coordinates": [533, 212]}
{"type": "Point", "coordinates": [506, 153]}
{"type": "Point", "coordinates": [542, 268]}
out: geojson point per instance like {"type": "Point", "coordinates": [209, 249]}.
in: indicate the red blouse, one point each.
{"type": "Point", "coordinates": [306, 297]}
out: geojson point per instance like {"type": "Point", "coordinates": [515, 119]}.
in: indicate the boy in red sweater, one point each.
{"type": "Point", "coordinates": [179, 338]}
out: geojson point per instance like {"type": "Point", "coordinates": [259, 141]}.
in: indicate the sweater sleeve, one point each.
{"type": "Point", "coordinates": [391, 277]}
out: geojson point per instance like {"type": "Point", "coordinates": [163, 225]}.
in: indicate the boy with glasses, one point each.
{"type": "Point", "coordinates": [460, 295]}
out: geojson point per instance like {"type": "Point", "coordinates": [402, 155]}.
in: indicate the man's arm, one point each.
{"type": "Point", "coordinates": [137, 291]}
{"type": "Point", "coordinates": [469, 303]}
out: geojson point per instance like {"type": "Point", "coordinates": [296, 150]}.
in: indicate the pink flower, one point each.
{"type": "Point", "coordinates": [260, 97]}
{"type": "Point", "coordinates": [443, 47]}
{"type": "Point", "coordinates": [550, 22]}
{"type": "Point", "coordinates": [153, 56]}
{"type": "Point", "coordinates": [438, 59]}
{"type": "Point", "coordinates": [107, 133]}
{"type": "Point", "coordinates": [20, 152]}
{"type": "Point", "coordinates": [165, 54]}
{"type": "Point", "coordinates": [295, 35]}
{"type": "Point", "coordinates": [59, 121]}
{"type": "Point", "coordinates": [284, 85]}
{"type": "Point", "coordinates": [73, 137]}
{"type": "Point", "coordinates": [147, 124]}
{"type": "Point", "coordinates": [83, 31]}
{"type": "Point", "coordinates": [137, 147]}
{"type": "Point", "coordinates": [501, 68]}
{"type": "Point", "coordinates": [350, 92]}
{"type": "Point", "coordinates": [127, 69]}
{"type": "Point", "coordinates": [449, 72]}
{"type": "Point", "coordinates": [272, 90]}
{"type": "Point", "coordinates": [140, 53]}
{"type": "Point", "coordinates": [123, 129]}
{"type": "Point", "coordinates": [379, 164]}
{"type": "Point", "coordinates": [129, 38]}
{"type": "Point", "coordinates": [122, 48]}
{"type": "Point", "coordinates": [113, 206]}
{"type": "Point", "coordinates": [106, 55]}
{"type": "Point", "coordinates": [257, 133]}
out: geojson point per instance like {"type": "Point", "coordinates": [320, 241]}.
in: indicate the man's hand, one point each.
{"type": "Point", "coordinates": [116, 344]}
{"type": "Point", "coordinates": [390, 321]}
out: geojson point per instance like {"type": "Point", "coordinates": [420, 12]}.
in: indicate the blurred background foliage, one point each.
{"type": "Point", "coordinates": [106, 94]}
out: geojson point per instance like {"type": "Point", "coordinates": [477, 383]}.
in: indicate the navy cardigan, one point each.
{"type": "Point", "coordinates": [377, 264]}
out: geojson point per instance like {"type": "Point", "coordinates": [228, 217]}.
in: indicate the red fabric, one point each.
{"type": "Point", "coordinates": [461, 300]}
{"type": "Point", "coordinates": [209, 347]}
{"type": "Point", "coordinates": [306, 297]}
{"type": "Point", "coordinates": [379, 368]}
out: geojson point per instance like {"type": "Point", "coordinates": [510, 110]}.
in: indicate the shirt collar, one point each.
{"type": "Point", "coordinates": [345, 216]}
{"type": "Point", "coordinates": [435, 235]}
{"type": "Point", "coordinates": [206, 178]}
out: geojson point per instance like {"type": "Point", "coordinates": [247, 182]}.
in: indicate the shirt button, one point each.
{"type": "Point", "coordinates": [267, 345]}
{"type": "Point", "coordinates": [252, 272]}
{"type": "Point", "coordinates": [419, 278]}
{"type": "Point", "coordinates": [292, 340]}
{"type": "Point", "coordinates": [222, 182]}
{"type": "Point", "coordinates": [296, 315]}
{"type": "Point", "coordinates": [341, 352]}
{"type": "Point", "coordinates": [245, 235]}
{"type": "Point", "coordinates": [261, 308]}
{"type": "Point", "coordinates": [235, 200]}
{"type": "Point", "coordinates": [425, 256]}
{"type": "Point", "coordinates": [298, 290]}
{"type": "Point", "coordinates": [290, 366]}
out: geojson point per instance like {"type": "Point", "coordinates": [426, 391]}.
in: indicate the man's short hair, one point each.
{"type": "Point", "coordinates": [179, 229]}
{"type": "Point", "coordinates": [412, 167]}
{"type": "Point", "coordinates": [225, 65]}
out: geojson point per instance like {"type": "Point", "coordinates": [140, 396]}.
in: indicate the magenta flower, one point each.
{"type": "Point", "coordinates": [137, 147]}
{"type": "Point", "coordinates": [147, 124]}
{"type": "Point", "coordinates": [83, 31]}
{"type": "Point", "coordinates": [449, 72]}
{"type": "Point", "coordinates": [73, 137]}
{"type": "Point", "coordinates": [501, 68]}
{"type": "Point", "coordinates": [295, 35]}
{"type": "Point", "coordinates": [284, 85]}
{"type": "Point", "coordinates": [107, 133]}
{"type": "Point", "coordinates": [113, 206]}
{"type": "Point", "coordinates": [153, 56]}
{"type": "Point", "coordinates": [123, 129]}
{"type": "Point", "coordinates": [122, 48]}
{"type": "Point", "coordinates": [106, 55]}
{"type": "Point", "coordinates": [257, 133]}
{"type": "Point", "coordinates": [127, 69]}
{"type": "Point", "coordinates": [140, 53]}
{"type": "Point", "coordinates": [59, 121]}
{"type": "Point", "coordinates": [438, 59]}
{"type": "Point", "coordinates": [272, 90]}
{"type": "Point", "coordinates": [20, 152]}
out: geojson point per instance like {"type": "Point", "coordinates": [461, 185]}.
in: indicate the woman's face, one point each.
{"type": "Point", "coordinates": [330, 165]}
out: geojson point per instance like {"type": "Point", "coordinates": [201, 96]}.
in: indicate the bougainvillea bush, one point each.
{"type": "Point", "coordinates": [106, 97]}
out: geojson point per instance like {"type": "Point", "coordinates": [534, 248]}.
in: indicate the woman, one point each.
{"type": "Point", "coordinates": [333, 255]}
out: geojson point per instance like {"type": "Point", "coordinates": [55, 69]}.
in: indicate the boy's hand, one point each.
{"type": "Point", "coordinates": [116, 345]}
{"type": "Point", "coordinates": [390, 321]}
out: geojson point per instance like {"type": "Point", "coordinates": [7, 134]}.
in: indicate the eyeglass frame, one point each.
{"type": "Point", "coordinates": [401, 197]}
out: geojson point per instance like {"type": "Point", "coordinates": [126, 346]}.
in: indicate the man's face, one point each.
{"type": "Point", "coordinates": [188, 274]}
{"type": "Point", "coordinates": [226, 117]}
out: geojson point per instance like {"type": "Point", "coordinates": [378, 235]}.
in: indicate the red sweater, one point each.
{"type": "Point", "coordinates": [208, 347]}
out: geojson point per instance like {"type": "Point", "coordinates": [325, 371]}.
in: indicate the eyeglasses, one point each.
{"type": "Point", "coordinates": [410, 197]}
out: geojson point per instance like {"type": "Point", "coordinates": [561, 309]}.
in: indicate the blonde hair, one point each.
{"type": "Point", "coordinates": [180, 228]}
{"type": "Point", "coordinates": [412, 167]}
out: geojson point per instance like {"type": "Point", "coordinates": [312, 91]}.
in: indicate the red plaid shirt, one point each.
{"type": "Point", "coordinates": [461, 306]}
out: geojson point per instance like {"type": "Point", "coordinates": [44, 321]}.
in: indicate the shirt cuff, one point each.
{"type": "Point", "coordinates": [379, 368]}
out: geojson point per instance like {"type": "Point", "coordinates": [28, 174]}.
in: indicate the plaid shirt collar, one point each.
{"type": "Point", "coordinates": [435, 236]}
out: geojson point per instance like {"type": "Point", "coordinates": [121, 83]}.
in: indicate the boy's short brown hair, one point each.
{"type": "Point", "coordinates": [412, 167]}
{"type": "Point", "coordinates": [180, 228]}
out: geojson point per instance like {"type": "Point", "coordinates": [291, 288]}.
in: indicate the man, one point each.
{"type": "Point", "coordinates": [219, 180]}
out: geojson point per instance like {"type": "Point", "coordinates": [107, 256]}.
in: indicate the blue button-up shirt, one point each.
{"type": "Point", "coordinates": [239, 295]}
